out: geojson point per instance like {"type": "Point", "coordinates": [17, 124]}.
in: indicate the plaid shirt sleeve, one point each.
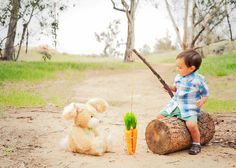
{"type": "Point", "coordinates": [203, 88]}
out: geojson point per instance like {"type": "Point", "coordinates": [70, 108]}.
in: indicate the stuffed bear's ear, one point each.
{"type": "Point", "coordinates": [69, 111]}
{"type": "Point", "coordinates": [99, 104]}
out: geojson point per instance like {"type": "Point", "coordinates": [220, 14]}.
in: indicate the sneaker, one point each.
{"type": "Point", "coordinates": [195, 149]}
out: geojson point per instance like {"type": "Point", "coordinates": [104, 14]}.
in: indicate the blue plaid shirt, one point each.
{"type": "Point", "coordinates": [189, 89]}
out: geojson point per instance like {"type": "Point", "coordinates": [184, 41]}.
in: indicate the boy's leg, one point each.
{"type": "Point", "coordinates": [162, 115]}
{"type": "Point", "coordinates": [175, 113]}
{"type": "Point", "coordinates": [195, 134]}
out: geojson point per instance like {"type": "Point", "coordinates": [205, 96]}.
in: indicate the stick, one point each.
{"type": "Point", "coordinates": [155, 73]}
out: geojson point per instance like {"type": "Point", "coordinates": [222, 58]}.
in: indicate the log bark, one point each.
{"type": "Point", "coordinates": [171, 134]}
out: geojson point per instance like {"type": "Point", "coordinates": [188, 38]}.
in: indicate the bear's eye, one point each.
{"type": "Point", "coordinates": [91, 116]}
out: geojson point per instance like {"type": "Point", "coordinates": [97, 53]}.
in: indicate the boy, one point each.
{"type": "Point", "coordinates": [191, 93]}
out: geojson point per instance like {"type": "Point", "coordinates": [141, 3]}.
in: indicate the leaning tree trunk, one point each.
{"type": "Point", "coordinates": [171, 134]}
{"type": "Point", "coordinates": [9, 45]}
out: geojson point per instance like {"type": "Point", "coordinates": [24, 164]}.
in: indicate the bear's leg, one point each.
{"type": "Point", "coordinates": [109, 143]}
{"type": "Point", "coordinates": [64, 142]}
{"type": "Point", "coordinates": [98, 147]}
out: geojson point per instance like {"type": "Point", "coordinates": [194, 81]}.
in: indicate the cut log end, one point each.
{"type": "Point", "coordinates": [157, 136]}
{"type": "Point", "coordinates": [171, 134]}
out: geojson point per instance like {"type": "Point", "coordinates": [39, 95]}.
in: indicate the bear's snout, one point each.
{"type": "Point", "coordinates": [93, 122]}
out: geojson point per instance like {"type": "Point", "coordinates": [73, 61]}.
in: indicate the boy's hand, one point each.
{"type": "Point", "coordinates": [172, 88]}
{"type": "Point", "coordinates": [201, 102]}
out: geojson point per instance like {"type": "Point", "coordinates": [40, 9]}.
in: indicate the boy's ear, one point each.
{"type": "Point", "coordinates": [193, 67]}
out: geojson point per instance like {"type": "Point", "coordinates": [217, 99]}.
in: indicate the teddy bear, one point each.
{"type": "Point", "coordinates": [84, 136]}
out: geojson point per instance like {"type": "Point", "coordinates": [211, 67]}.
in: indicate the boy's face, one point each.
{"type": "Point", "coordinates": [182, 68]}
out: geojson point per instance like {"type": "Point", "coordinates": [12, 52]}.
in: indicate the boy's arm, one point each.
{"type": "Point", "coordinates": [202, 101]}
{"type": "Point", "coordinates": [172, 88]}
{"type": "Point", "coordinates": [204, 92]}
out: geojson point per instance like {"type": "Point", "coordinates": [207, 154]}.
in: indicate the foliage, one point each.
{"type": "Point", "coordinates": [18, 98]}
{"type": "Point", "coordinates": [205, 16]}
{"type": "Point", "coordinates": [146, 49]}
{"type": "Point", "coordinates": [130, 120]}
{"type": "Point", "coordinates": [164, 44]}
{"type": "Point", "coordinates": [219, 65]}
{"type": "Point", "coordinates": [45, 52]}
{"type": "Point", "coordinates": [110, 40]}
{"type": "Point", "coordinates": [129, 10]}
{"type": "Point", "coordinates": [33, 71]}
{"type": "Point", "coordinates": [218, 105]}
{"type": "Point", "coordinates": [43, 14]}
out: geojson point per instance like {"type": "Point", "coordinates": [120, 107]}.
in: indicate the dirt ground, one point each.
{"type": "Point", "coordinates": [29, 137]}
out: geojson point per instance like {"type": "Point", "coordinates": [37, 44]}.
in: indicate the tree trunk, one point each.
{"type": "Point", "coordinates": [174, 24]}
{"type": "Point", "coordinates": [129, 43]}
{"type": "Point", "coordinates": [171, 134]}
{"type": "Point", "coordinates": [185, 20]}
{"type": "Point", "coordinates": [228, 21]}
{"type": "Point", "coordinates": [9, 45]}
{"type": "Point", "coordinates": [130, 34]}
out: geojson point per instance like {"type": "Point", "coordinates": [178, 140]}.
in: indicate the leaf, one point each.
{"type": "Point", "coordinates": [130, 120]}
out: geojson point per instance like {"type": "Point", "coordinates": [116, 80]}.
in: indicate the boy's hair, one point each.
{"type": "Point", "coordinates": [191, 58]}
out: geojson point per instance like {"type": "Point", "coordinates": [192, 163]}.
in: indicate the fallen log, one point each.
{"type": "Point", "coordinates": [171, 134]}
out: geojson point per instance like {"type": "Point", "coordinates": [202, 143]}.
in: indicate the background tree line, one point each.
{"type": "Point", "coordinates": [195, 22]}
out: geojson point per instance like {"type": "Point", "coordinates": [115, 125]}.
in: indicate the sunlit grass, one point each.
{"type": "Point", "coordinates": [31, 71]}
{"type": "Point", "coordinates": [219, 65]}
{"type": "Point", "coordinates": [217, 105]}
{"type": "Point", "coordinates": [168, 57]}
{"type": "Point", "coordinates": [75, 66]}
{"type": "Point", "coordinates": [18, 98]}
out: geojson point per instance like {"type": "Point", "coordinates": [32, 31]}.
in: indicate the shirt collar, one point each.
{"type": "Point", "coordinates": [190, 75]}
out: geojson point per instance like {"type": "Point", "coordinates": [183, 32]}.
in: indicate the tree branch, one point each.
{"type": "Point", "coordinates": [173, 22]}
{"type": "Point", "coordinates": [114, 7]}
{"type": "Point", "coordinates": [197, 36]}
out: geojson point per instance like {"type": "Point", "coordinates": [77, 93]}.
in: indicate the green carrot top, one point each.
{"type": "Point", "coordinates": [130, 120]}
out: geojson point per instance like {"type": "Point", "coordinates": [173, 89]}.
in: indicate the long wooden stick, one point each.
{"type": "Point", "coordinates": [155, 73]}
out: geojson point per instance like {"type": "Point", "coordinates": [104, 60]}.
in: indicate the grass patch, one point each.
{"type": "Point", "coordinates": [33, 71]}
{"type": "Point", "coordinates": [57, 101]}
{"type": "Point", "coordinates": [217, 105]}
{"type": "Point", "coordinates": [19, 98]}
{"type": "Point", "coordinates": [219, 65]}
{"type": "Point", "coordinates": [168, 57]}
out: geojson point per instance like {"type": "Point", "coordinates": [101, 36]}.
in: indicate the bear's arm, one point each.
{"type": "Point", "coordinates": [81, 139]}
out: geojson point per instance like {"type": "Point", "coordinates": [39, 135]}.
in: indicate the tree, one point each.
{"type": "Point", "coordinates": [164, 44]}
{"type": "Point", "coordinates": [20, 13]}
{"type": "Point", "coordinates": [9, 45]}
{"type": "Point", "coordinates": [146, 49]}
{"type": "Point", "coordinates": [130, 14]}
{"type": "Point", "coordinates": [110, 39]}
{"type": "Point", "coordinates": [204, 17]}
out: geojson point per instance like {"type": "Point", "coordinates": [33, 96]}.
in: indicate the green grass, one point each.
{"type": "Point", "coordinates": [219, 65]}
{"type": "Point", "coordinates": [21, 72]}
{"type": "Point", "coordinates": [217, 105]}
{"type": "Point", "coordinates": [19, 98]}
{"type": "Point", "coordinates": [31, 71]}
{"type": "Point", "coordinates": [168, 57]}
{"type": "Point", "coordinates": [222, 65]}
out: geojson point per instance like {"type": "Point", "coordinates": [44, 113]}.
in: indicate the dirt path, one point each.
{"type": "Point", "coordinates": [29, 137]}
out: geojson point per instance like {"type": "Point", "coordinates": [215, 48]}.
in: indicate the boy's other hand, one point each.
{"type": "Point", "coordinates": [201, 101]}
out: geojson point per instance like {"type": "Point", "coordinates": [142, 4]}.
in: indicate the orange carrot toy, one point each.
{"type": "Point", "coordinates": [130, 132]}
